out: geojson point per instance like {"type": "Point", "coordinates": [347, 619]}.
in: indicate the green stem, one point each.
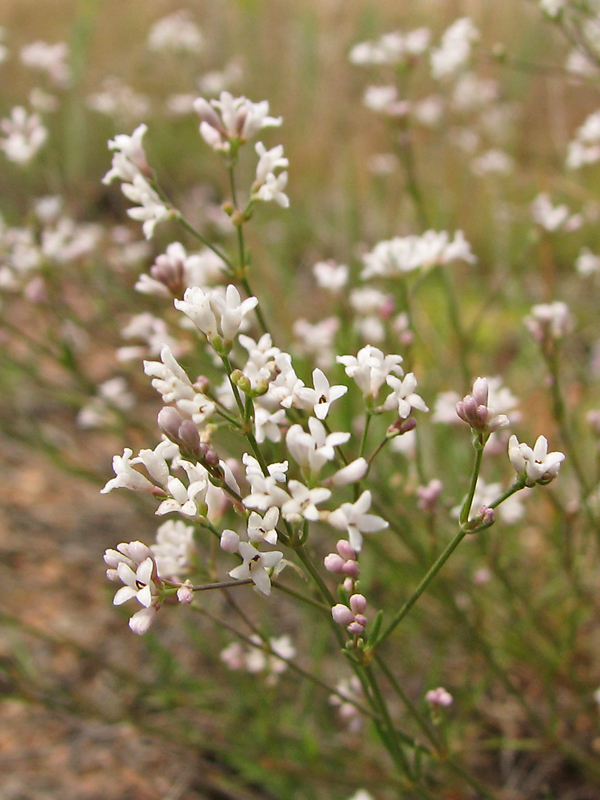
{"type": "Point", "coordinates": [217, 251]}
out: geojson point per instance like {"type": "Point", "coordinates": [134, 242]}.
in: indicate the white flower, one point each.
{"type": "Point", "coordinates": [370, 368]}
{"type": "Point", "coordinates": [391, 48]}
{"type": "Point", "coordinates": [313, 450]}
{"type": "Point", "coordinates": [323, 395]}
{"type": "Point", "coordinates": [272, 189]}
{"type": "Point", "coordinates": [353, 518]}
{"type": "Point", "coordinates": [551, 320]}
{"type": "Point", "coordinates": [455, 48]}
{"type": "Point", "coordinates": [237, 121]}
{"type": "Point", "coordinates": [257, 566]}
{"type": "Point", "coordinates": [537, 464]}
{"type": "Point", "coordinates": [406, 253]}
{"type": "Point", "coordinates": [587, 263]}
{"type": "Point", "coordinates": [127, 477]}
{"type": "Point", "coordinates": [49, 58]}
{"type": "Point", "coordinates": [317, 340]}
{"type": "Point", "coordinates": [151, 209]}
{"type": "Point", "coordinates": [262, 529]}
{"type": "Point", "coordinates": [174, 548]}
{"type": "Point", "coordinates": [266, 424]}
{"type": "Point", "coordinates": [269, 161]}
{"type": "Point", "coordinates": [553, 218]}
{"type": "Point", "coordinates": [132, 149]}
{"type": "Point", "coordinates": [403, 397]}
{"type": "Point", "coordinates": [25, 134]}
{"type": "Point", "coordinates": [216, 316]}
{"type": "Point", "coordinates": [176, 32]}
{"type": "Point", "coordinates": [188, 500]}
{"type": "Point", "coordinates": [302, 502]}
{"type": "Point", "coordinates": [133, 564]}
{"type": "Point", "coordinates": [330, 276]}
{"type": "Point", "coordinates": [169, 379]}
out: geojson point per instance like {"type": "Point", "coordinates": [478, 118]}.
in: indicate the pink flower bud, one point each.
{"type": "Point", "coordinates": [334, 563]}
{"type": "Point", "coordinates": [348, 584]}
{"type": "Point", "coordinates": [230, 541]}
{"type": "Point", "coordinates": [342, 614]}
{"type": "Point", "coordinates": [361, 619]}
{"type": "Point", "coordinates": [344, 549]}
{"type": "Point", "coordinates": [439, 697]}
{"type": "Point", "coordinates": [355, 628]}
{"type": "Point", "coordinates": [351, 569]}
{"type": "Point", "coordinates": [358, 603]}
{"type": "Point", "coordinates": [185, 595]}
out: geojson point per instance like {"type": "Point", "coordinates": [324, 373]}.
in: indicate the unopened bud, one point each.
{"type": "Point", "coordinates": [185, 595]}
{"type": "Point", "coordinates": [169, 421]}
{"type": "Point", "coordinates": [342, 614]}
{"type": "Point", "coordinates": [355, 628]}
{"type": "Point", "coordinates": [241, 381]}
{"type": "Point", "coordinates": [358, 603]}
{"type": "Point", "coordinates": [351, 569]}
{"type": "Point", "coordinates": [345, 550]}
{"type": "Point", "coordinates": [401, 426]}
{"type": "Point", "coordinates": [334, 563]}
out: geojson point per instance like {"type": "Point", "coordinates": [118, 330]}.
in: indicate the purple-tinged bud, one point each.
{"type": "Point", "coordinates": [345, 550]}
{"type": "Point", "coordinates": [342, 615]}
{"type": "Point", "coordinates": [358, 603]}
{"type": "Point", "coordinates": [169, 421]}
{"type": "Point", "coordinates": [351, 569]}
{"type": "Point", "coordinates": [429, 495]}
{"type": "Point", "coordinates": [401, 426]}
{"type": "Point", "coordinates": [361, 619]}
{"type": "Point", "coordinates": [487, 515]}
{"type": "Point", "coordinates": [481, 391]}
{"type": "Point", "coordinates": [439, 697]}
{"type": "Point", "coordinates": [189, 436]}
{"type": "Point", "coordinates": [230, 541]}
{"type": "Point", "coordinates": [185, 595]}
{"type": "Point", "coordinates": [355, 628]}
{"type": "Point", "coordinates": [169, 272]}
{"type": "Point", "coordinates": [334, 563]}
{"type": "Point", "coordinates": [202, 384]}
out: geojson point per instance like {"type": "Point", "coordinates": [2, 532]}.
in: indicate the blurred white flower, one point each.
{"type": "Point", "coordinates": [454, 50]}
{"type": "Point", "coordinates": [553, 218]}
{"type": "Point", "coordinates": [176, 32]}
{"type": "Point", "coordinates": [24, 135]}
{"type": "Point", "coordinates": [48, 58]}
{"type": "Point", "coordinates": [587, 263]}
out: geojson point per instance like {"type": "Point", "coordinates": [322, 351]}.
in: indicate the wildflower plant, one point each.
{"type": "Point", "coordinates": [340, 465]}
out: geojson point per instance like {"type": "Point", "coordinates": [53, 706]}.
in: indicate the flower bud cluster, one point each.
{"type": "Point", "coordinates": [344, 562]}
{"type": "Point", "coordinates": [353, 617]}
{"type": "Point", "coordinates": [474, 410]}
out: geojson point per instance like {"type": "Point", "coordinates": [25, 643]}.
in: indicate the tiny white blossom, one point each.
{"type": "Point", "coordinates": [272, 189]}
{"type": "Point", "coordinates": [151, 209]}
{"type": "Point", "coordinates": [370, 368]}
{"type": "Point", "coordinates": [353, 518]}
{"type": "Point", "coordinates": [403, 398]}
{"type": "Point", "coordinates": [455, 48]}
{"type": "Point", "coordinates": [330, 275]}
{"type": "Point", "coordinates": [216, 316]}
{"type": "Point", "coordinates": [553, 218]}
{"type": "Point", "coordinates": [48, 58]}
{"type": "Point", "coordinates": [257, 566]}
{"type": "Point", "coordinates": [536, 463]}
{"type": "Point", "coordinates": [176, 32]}
{"type": "Point", "coordinates": [237, 121]}
{"type": "Point", "coordinates": [25, 134]}
{"type": "Point", "coordinates": [174, 548]}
